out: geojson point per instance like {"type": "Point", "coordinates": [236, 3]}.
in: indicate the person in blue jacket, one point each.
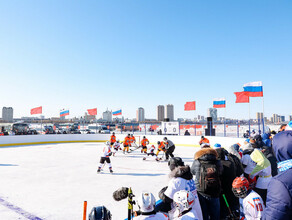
{"type": "Point", "coordinates": [279, 196]}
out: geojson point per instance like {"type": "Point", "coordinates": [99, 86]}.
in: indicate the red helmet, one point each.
{"type": "Point", "coordinates": [240, 187]}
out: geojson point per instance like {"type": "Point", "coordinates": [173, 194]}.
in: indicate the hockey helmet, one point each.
{"type": "Point", "coordinates": [165, 138]}
{"type": "Point", "coordinates": [118, 141]}
{"type": "Point", "coordinates": [100, 213]}
{"type": "Point", "coordinates": [240, 187]}
{"type": "Point", "coordinates": [175, 162]}
{"type": "Point", "coordinates": [183, 200]}
{"type": "Point", "coordinates": [146, 202]}
{"type": "Point", "coordinates": [158, 142]}
{"type": "Point", "coordinates": [144, 137]}
{"type": "Point", "coordinates": [107, 143]}
{"type": "Point", "coordinates": [113, 132]}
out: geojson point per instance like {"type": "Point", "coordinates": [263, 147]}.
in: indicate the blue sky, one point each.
{"type": "Point", "coordinates": [129, 54]}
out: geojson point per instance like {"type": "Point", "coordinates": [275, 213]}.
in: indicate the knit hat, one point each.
{"type": "Point", "coordinates": [216, 146]}
{"type": "Point", "coordinates": [289, 126]}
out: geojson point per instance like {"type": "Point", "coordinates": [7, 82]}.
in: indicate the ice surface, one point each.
{"type": "Point", "coordinates": [52, 181]}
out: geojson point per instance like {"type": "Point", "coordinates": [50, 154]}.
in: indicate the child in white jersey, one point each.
{"type": "Point", "coordinates": [251, 203]}
{"type": "Point", "coordinates": [146, 203]}
{"type": "Point", "coordinates": [105, 157]}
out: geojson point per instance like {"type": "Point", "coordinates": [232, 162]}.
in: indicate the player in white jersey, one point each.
{"type": "Point", "coordinates": [116, 147]}
{"type": "Point", "coordinates": [251, 203]}
{"type": "Point", "coordinates": [184, 202]}
{"type": "Point", "coordinates": [146, 204]}
{"type": "Point", "coordinates": [150, 152]}
{"type": "Point", "coordinates": [105, 157]}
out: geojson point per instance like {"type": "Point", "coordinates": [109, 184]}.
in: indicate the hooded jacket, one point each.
{"type": "Point", "coordinates": [268, 152]}
{"type": "Point", "coordinates": [279, 197]}
{"type": "Point", "coordinates": [227, 177]}
{"type": "Point", "coordinates": [205, 154]}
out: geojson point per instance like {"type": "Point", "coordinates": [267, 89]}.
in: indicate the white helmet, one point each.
{"type": "Point", "coordinates": [183, 200]}
{"type": "Point", "coordinates": [107, 143]}
{"type": "Point", "coordinates": [146, 202]}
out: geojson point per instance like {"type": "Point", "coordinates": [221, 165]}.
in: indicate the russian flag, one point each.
{"type": "Point", "coordinates": [254, 89]}
{"type": "Point", "coordinates": [119, 112]}
{"type": "Point", "coordinates": [219, 103]}
{"type": "Point", "coordinates": [64, 113]}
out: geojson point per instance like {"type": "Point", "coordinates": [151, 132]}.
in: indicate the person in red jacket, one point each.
{"type": "Point", "coordinates": [144, 143]}
{"type": "Point", "coordinates": [127, 143]}
{"type": "Point", "coordinates": [204, 141]}
{"type": "Point", "coordinates": [113, 139]}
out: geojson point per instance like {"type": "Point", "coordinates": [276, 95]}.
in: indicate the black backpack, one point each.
{"type": "Point", "coordinates": [209, 180]}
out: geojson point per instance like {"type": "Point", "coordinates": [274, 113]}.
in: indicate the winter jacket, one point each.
{"type": "Point", "coordinates": [268, 152]}
{"type": "Point", "coordinates": [266, 139]}
{"type": "Point", "coordinates": [227, 177]}
{"type": "Point", "coordinates": [205, 154]}
{"type": "Point", "coordinates": [279, 197]}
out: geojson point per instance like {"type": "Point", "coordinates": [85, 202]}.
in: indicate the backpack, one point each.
{"type": "Point", "coordinates": [209, 180]}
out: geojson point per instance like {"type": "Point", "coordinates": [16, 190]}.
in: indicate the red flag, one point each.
{"type": "Point", "coordinates": [189, 106]}
{"type": "Point", "coordinates": [242, 97]}
{"type": "Point", "coordinates": [38, 110]}
{"type": "Point", "coordinates": [92, 111]}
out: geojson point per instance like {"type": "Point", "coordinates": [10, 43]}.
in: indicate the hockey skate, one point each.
{"type": "Point", "coordinates": [111, 170]}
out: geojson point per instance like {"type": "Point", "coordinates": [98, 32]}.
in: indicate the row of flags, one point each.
{"type": "Point", "coordinates": [252, 89]}
{"type": "Point", "coordinates": [93, 111]}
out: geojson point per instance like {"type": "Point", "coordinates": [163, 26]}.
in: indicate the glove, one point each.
{"type": "Point", "coordinates": [110, 153]}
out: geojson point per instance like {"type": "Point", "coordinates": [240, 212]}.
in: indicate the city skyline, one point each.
{"type": "Point", "coordinates": [102, 54]}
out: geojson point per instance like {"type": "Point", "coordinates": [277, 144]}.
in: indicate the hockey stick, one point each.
{"type": "Point", "coordinates": [231, 215]}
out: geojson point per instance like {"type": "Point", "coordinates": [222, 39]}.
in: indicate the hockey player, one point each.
{"type": "Point", "coordinates": [169, 148]}
{"type": "Point", "coordinates": [117, 147]}
{"type": "Point", "coordinates": [144, 144]}
{"type": "Point", "coordinates": [251, 203]}
{"type": "Point", "coordinates": [150, 152]}
{"type": "Point", "coordinates": [184, 202]}
{"type": "Point", "coordinates": [161, 147]}
{"type": "Point", "coordinates": [105, 157]}
{"type": "Point", "coordinates": [127, 143]}
{"type": "Point", "coordinates": [146, 204]}
{"type": "Point", "coordinates": [113, 139]}
{"type": "Point", "coordinates": [132, 140]}
{"type": "Point", "coordinates": [204, 140]}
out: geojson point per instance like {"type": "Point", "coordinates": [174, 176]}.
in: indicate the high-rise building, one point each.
{"type": "Point", "coordinates": [290, 117]}
{"type": "Point", "coordinates": [140, 114]}
{"type": "Point", "coordinates": [169, 112]}
{"type": "Point", "coordinates": [212, 112]}
{"type": "Point", "coordinates": [260, 116]}
{"type": "Point", "coordinates": [282, 118]}
{"type": "Point", "coordinates": [160, 113]}
{"type": "Point", "coordinates": [7, 114]}
{"type": "Point", "coordinates": [275, 118]}
{"type": "Point", "coordinates": [107, 116]}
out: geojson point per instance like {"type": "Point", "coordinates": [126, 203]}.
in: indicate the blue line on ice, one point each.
{"type": "Point", "coordinates": [18, 210]}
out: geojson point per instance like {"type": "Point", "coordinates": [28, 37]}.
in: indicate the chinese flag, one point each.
{"type": "Point", "coordinates": [37, 110]}
{"type": "Point", "coordinates": [189, 106]}
{"type": "Point", "coordinates": [92, 111]}
{"type": "Point", "coordinates": [242, 97]}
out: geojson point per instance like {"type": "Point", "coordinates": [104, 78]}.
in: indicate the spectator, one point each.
{"type": "Point", "coordinates": [100, 213]}
{"type": "Point", "coordinates": [246, 134]}
{"type": "Point", "coordinates": [268, 152]}
{"type": "Point", "coordinates": [187, 133]}
{"type": "Point", "coordinates": [207, 170]}
{"type": "Point", "coordinates": [282, 127]}
{"type": "Point", "coordinates": [181, 179]}
{"type": "Point", "coordinates": [146, 203]}
{"type": "Point", "coordinates": [267, 140]}
{"type": "Point", "coordinates": [263, 171]}
{"type": "Point", "coordinates": [227, 177]}
{"type": "Point", "coordinates": [279, 197]}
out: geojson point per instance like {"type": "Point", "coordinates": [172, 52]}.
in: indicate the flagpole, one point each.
{"type": "Point", "coordinates": [263, 116]}
{"type": "Point", "coordinates": [225, 120]}
{"type": "Point", "coordinates": [249, 117]}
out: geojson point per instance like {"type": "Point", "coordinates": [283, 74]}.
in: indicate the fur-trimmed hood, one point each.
{"type": "Point", "coordinates": [205, 152]}
{"type": "Point", "coordinates": [182, 172]}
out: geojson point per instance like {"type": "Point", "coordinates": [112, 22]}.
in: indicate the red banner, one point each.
{"type": "Point", "coordinates": [189, 106]}
{"type": "Point", "coordinates": [38, 110]}
{"type": "Point", "coordinates": [92, 111]}
{"type": "Point", "coordinates": [242, 97]}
